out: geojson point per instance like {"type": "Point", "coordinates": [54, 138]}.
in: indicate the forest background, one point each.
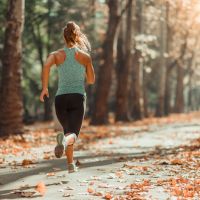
{"type": "Point", "coordinates": [145, 54]}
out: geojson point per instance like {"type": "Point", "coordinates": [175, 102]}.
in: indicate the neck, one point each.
{"type": "Point", "coordinates": [70, 46]}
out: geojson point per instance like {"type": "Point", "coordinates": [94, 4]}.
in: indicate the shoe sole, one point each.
{"type": "Point", "coordinates": [59, 149]}
{"type": "Point", "coordinates": [71, 171]}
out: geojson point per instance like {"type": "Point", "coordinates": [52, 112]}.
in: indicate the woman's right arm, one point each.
{"type": "Point", "coordinates": [45, 75]}
{"type": "Point", "coordinates": [90, 71]}
{"type": "Point", "coordinates": [85, 59]}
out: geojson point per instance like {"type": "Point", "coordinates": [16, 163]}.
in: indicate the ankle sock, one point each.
{"type": "Point", "coordinates": [70, 139]}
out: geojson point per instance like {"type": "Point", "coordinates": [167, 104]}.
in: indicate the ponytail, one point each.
{"type": "Point", "coordinates": [73, 35]}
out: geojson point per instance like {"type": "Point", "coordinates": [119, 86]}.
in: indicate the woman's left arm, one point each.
{"type": "Point", "coordinates": [45, 75]}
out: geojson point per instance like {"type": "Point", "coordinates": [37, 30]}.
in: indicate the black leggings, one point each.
{"type": "Point", "coordinates": [70, 110]}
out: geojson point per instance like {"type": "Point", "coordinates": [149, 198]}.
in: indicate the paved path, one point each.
{"type": "Point", "coordinates": [107, 167]}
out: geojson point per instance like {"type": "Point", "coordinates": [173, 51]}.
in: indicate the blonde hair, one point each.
{"type": "Point", "coordinates": [73, 35]}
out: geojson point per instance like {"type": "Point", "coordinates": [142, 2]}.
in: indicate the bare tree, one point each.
{"type": "Point", "coordinates": [11, 113]}
{"type": "Point", "coordinates": [100, 112]}
{"type": "Point", "coordinates": [137, 89]}
{"type": "Point", "coordinates": [162, 67]}
{"type": "Point", "coordinates": [122, 95]}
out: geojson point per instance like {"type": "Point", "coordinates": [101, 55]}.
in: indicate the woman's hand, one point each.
{"type": "Point", "coordinates": [44, 92]}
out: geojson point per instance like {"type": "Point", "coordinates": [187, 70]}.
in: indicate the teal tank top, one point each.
{"type": "Point", "coordinates": [71, 74]}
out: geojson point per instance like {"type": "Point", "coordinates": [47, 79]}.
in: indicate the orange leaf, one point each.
{"type": "Point", "coordinates": [27, 162]}
{"type": "Point", "coordinates": [119, 174]}
{"type": "Point", "coordinates": [177, 191]}
{"type": "Point", "coordinates": [41, 188]}
{"type": "Point", "coordinates": [197, 181]}
{"type": "Point", "coordinates": [46, 157]}
{"type": "Point", "coordinates": [176, 162]}
{"type": "Point", "coordinates": [91, 183]}
{"type": "Point", "coordinates": [173, 182]}
{"type": "Point", "coordinates": [189, 187]}
{"type": "Point", "coordinates": [90, 190]}
{"type": "Point", "coordinates": [187, 193]}
{"type": "Point", "coordinates": [108, 196]}
{"type": "Point", "coordinates": [144, 168]}
{"type": "Point", "coordinates": [146, 183]}
{"type": "Point", "coordinates": [50, 174]}
{"type": "Point", "coordinates": [183, 180]}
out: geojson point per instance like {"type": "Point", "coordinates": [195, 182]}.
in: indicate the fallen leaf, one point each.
{"type": "Point", "coordinates": [111, 176]}
{"type": "Point", "coordinates": [27, 162]}
{"type": "Point", "coordinates": [46, 157]}
{"type": "Point", "coordinates": [90, 190]}
{"type": "Point", "coordinates": [144, 168]}
{"type": "Point", "coordinates": [25, 193]}
{"type": "Point", "coordinates": [164, 163]}
{"type": "Point", "coordinates": [64, 182]}
{"type": "Point", "coordinates": [122, 158]}
{"type": "Point", "coordinates": [187, 193]}
{"type": "Point", "coordinates": [66, 195]}
{"type": "Point", "coordinates": [176, 162]}
{"type": "Point", "coordinates": [108, 196]}
{"type": "Point", "coordinates": [68, 188]}
{"type": "Point", "coordinates": [103, 185]}
{"type": "Point", "coordinates": [56, 169]}
{"type": "Point", "coordinates": [98, 194]}
{"type": "Point", "coordinates": [41, 188]}
{"type": "Point", "coordinates": [91, 183]}
{"type": "Point", "coordinates": [50, 174]}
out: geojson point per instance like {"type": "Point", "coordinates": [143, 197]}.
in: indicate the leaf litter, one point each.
{"type": "Point", "coordinates": [182, 164]}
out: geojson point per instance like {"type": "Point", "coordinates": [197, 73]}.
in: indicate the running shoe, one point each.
{"type": "Point", "coordinates": [60, 147]}
{"type": "Point", "coordinates": [72, 167]}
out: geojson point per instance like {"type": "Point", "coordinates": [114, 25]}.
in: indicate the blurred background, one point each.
{"type": "Point", "coordinates": [145, 54]}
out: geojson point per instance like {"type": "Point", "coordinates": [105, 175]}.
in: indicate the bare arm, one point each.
{"type": "Point", "coordinates": [90, 75]}
{"type": "Point", "coordinates": [85, 59]}
{"type": "Point", "coordinates": [45, 76]}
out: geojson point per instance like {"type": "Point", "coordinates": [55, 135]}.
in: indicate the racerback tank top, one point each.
{"type": "Point", "coordinates": [71, 74]}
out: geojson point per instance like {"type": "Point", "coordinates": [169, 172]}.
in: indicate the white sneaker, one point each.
{"type": "Point", "coordinates": [72, 167]}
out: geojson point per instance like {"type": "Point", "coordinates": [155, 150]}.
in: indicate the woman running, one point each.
{"type": "Point", "coordinates": [73, 65]}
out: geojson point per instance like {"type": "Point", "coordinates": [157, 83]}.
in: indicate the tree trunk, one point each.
{"type": "Point", "coordinates": [145, 94]}
{"type": "Point", "coordinates": [162, 67]}
{"type": "Point", "coordinates": [89, 88]}
{"type": "Point", "coordinates": [39, 46]}
{"type": "Point", "coordinates": [190, 89]}
{"type": "Point", "coordinates": [137, 68]}
{"type": "Point", "coordinates": [168, 89]}
{"type": "Point", "coordinates": [100, 113]}
{"type": "Point", "coordinates": [190, 72]}
{"type": "Point", "coordinates": [136, 87]}
{"type": "Point", "coordinates": [179, 101]}
{"type": "Point", "coordinates": [167, 106]}
{"type": "Point", "coordinates": [48, 114]}
{"type": "Point", "coordinates": [122, 95]}
{"type": "Point", "coordinates": [11, 113]}
{"type": "Point", "coordinates": [120, 59]}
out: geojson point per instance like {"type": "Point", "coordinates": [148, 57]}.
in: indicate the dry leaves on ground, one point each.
{"type": "Point", "coordinates": [41, 188]}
